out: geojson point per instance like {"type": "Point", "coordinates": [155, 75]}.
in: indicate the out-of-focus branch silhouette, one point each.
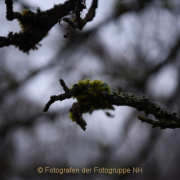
{"type": "Point", "coordinates": [35, 26]}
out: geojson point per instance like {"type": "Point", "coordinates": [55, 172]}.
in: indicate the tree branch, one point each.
{"type": "Point", "coordinates": [167, 119]}
{"type": "Point", "coordinates": [9, 10]}
{"type": "Point", "coordinates": [35, 26]}
{"type": "Point", "coordinates": [78, 22]}
{"type": "Point", "coordinates": [161, 124]}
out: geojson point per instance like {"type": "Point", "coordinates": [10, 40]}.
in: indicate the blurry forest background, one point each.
{"type": "Point", "coordinates": [131, 44]}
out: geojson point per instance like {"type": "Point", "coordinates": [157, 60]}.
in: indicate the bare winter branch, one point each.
{"type": "Point", "coordinates": [166, 118]}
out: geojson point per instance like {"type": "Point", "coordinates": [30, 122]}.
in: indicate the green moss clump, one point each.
{"type": "Point", "coordinates": [25, 11]}
{"type": "Point", "coordinates": [28, 21]}
{"type": "Point", "coordinates": [23, 24]}
{"type": "Point", "coordinates": [75, 115]}
{"type": "Point", "coordinates": [71, 116]}
{"type": "Point", "coordinates": [92, 95]}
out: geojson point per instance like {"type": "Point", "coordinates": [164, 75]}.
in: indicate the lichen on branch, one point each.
{"type": "Point", "coordinates": [92, 95]}
{"type": "Point", "coordinates": [35, 25]}
{"type": "Point", "coordinates": [96, 94]}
